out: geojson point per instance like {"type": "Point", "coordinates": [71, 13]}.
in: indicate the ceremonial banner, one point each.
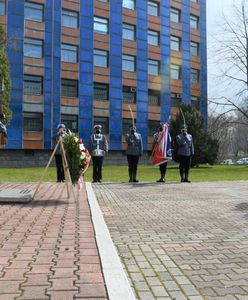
{"type": "Point", "coordinates": [162, 149]}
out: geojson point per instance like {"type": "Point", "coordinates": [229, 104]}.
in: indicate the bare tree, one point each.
{"type": "Point", "coordinates": [231, 55]}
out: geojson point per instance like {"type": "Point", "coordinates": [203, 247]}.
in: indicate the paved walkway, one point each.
{"type": "Point", "coordinates": [48, 248]}
{"type": "Point", "coordinates": [180, 241]}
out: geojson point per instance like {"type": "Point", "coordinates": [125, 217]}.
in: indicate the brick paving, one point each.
{"type": "Point", "coordinates": [180, 241]}
{"type": "Point", "coordinates": [48, 248]}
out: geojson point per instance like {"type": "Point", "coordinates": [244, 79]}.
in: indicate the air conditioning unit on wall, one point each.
{"type": "Point", "coordinates": [133, 89]}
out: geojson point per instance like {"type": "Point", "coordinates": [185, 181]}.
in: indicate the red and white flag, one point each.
{"type": "Point", "coordinates": [162, 150]}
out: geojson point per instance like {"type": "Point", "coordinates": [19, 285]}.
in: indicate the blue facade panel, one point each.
{"type": "Point", "coordinates": [15, 33]}
{"type": "Point", "coordinates": [142, 71]}
{"type": "Point", "coordinates": [203, 55]}
{"type": "Point", "coordinates": [86, 69]}
{"type": "Point", "coordinates": [185, 20]}
{"type": "Point", "coordinates": [115, 68]}
{"type": "Point", "coordinates": [165, 95]}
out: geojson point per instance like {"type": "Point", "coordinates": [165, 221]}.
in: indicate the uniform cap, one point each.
{"type": "Point", "coordinates": [2, 116]}
{"type": "Point", "coordinates": [61, 126]}
{"type": "Point", "coordinates": [184, 126]}
{"type": "Point", "coordinates": [97, 126]}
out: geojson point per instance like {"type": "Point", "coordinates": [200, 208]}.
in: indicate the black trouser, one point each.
{"type": "Point", "coordinates": [60, 169]}
{"type": "Point", "coordinates": [132, 166]}
{"type": "Point", "coordinates": [97, 167]}
{"type": "Point", "coordinates": [163, 168]}
{"type": "Point", "coordinates": [184, 165]}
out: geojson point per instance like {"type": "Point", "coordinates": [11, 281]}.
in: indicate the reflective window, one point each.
{"type": "Point", "coordinates": [70, 121]}
{"type": "Point", "coordinates": [2, 7]}
{"type": "Point", "coordinates": [69, 53]}
{"type": "Point", "coordinates": [175, 15]}
{"type": "Point", "coordinates": [195, 101]}
{"type": "Point", "coordinates": [128, 63]}
{"type": "Point", "coordinates": [33, 11]}
{"type": "Point", "coordinates": [101, 91]}
{"type": "Point", "coordinates": [153, 37]}
{"type": "Point", "coordinates": [153, 8]}
{"type": "Point", "coordinates": [32, 85]}
{"type": "Point", "coordinates": [153, 67]}
{"type": "Point", "coordinates": [128, 94]}
{"type": "Point", "coordinates": [100, 25]}
{"type": "Point", "coordinates": [69, 88]}
{"type": "Point", "coordinates": [154, 97]}
{"type": "Point", "coordinates": [33, 48]}
{"type": "Point", "coordinates": [32, 121]}
{"type": "Point", "coordinates": [175, 72]}
{"type": "Point", "coordinates": [194, 22]}
{"type": "Point", "coordinates": [194, 48]}
{"type": "Point", "coordinates": [176, 99]}
{"type": "Point", "coordinates": [126, 123]}
{"type": "Point", "coordinates": [128, 32]}
{"type": "Point", "coordinates": [194, 75]}
{"type": "Point", "coordinates": [69, 18]}
{"type": "Point", "coordinates": [130, 4]}
{"type": "Point", "coordinates": [175, 43]}
{"type": "Point", "coordinates": [100, 58]}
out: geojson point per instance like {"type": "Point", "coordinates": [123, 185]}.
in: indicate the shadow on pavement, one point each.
{"type": "Point", "coordinates": [243, 207]}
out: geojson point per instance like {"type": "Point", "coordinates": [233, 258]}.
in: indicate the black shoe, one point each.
{"type": "Point", "coordinates": [130, 180]}
{"type": "Point", "coordinates": [186, 180]}
{"type": "Point", "coordinates": [161, 180]}
{"type": "Point", "coordinates": [100, 181]}
{"type": "Point", "coordinates": [135, 180]}
{"type": "Point", "coordinates": [94, 181]}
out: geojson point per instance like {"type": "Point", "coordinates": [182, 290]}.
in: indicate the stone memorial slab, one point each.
{"type": "Point", "coordinates": [16, 195]}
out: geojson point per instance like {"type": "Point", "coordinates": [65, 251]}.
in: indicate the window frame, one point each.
{"type": "Point", "coordinates": [99, 55]}
{"type": "Point", "coordinates": [105, 125]}
{"type": "Point", "coordinates": [178, 68]}
{"type": "Point", "coordinates": [197, 47]}
{"type": "Point", "coordinates": [133, 4]}
{"type": "Point", "coordinates": [35, 43]}
{"type": "Point", "coordinates": [175, 12]}
{"type": "Point", "coordinates": [155, 35]}
{"type": "Point", "coordinates": [176, 41]}
{"type": "Point", "coordinates": [131, 60]}
{"type": "Point", "coordinates": [105, 88]}
{"type": "Point", "coordinates": [72, 92]}
{"type": "Point", "coordinates": [152, 63]}
{"type": "Point", "coordinates": [37, 5]}
{"type": "Point", "coordinates": [3, 6]}
{"type": "Point", "coordinates": [153, 4]}
{"type": "Point", "coordinates": [101, 22]}
{"type": "Point", "coordinates": [69, 51]}
{"type": "Point", "coordinates": [40, 82]}
{"type": "Point", "coordinates": [194, 20]}
{"type": "Point", "coordinates": [127, 90]}
{"type": "Point", "coordinates": [31, 115]}
{"type": "Point", "coordinates": [129, 30]}
{"type": "Point", "coordinates": [154, 93]}
{"type": "Point", "coordinates": [63, 15]}
{"type": "Point", "coordinates": [196, 74]}
{"type": "Point", "coordinates": [65, 119]}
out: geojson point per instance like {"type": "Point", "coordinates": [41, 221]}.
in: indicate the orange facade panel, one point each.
{"type": "Point", "coordinates": [69, 66]}
{"type": "Point", "coordinates": [34, 34]}
{"type": "Point", "coordinates": [196, 93]}
{"type": "Point", "coordinates": [101, 45]}
{"type": "Point", "coordinates": [129, 44]}
{"type": "Point", "coordinates": [102, 13]}
{"type": "Point", "coordinates": [154, 86]}
{"type": "Point", "coordinates": [129, 51]}
{"type": "Point", "coordinates": [129, 75]}
{"type": "Point", "coordinates": [66, 39]}
{"type": "Point", "coordinates": [129, 12]}
{"type": "Point", "coordinates": [176, 26]}
{"type": "Point", "coordinates": [101, 78]}
{"type": "Point", "coordinates": [176, 4]}
{"type": "Point", "coordinates": [154, 55]}
{"type": "Point", "coordinates": [129, 82]}
{"type": "Point", "coordinates": [35, 62]}
{"type": "Point", "coordinates": [129, 19]}
{"type": "Point", "coordinates": [69, 102]}
{"type": "Point", "coordinates": [104, 38]}
{"type": "Point", "coordinates": [32, 135]}
{"type": "Point", "coordinates": [32, 144]}
{"type": "Point", "coordinates": [177, 56]}
{"type": "Point", "coordinates": [99, 112]}
{"type": "Point", "coordinates": [73, 32]}
{"type": "Point", "coordinates": [71, 5]}
{"type": "Point", "coordinates": [33, 99]}
{"type": "Point", "coordinates": [195, 86]}
{"type": "Point", "coordinates": [154, 109]}
{"type": "Point", "coordinates": [101, 104]}
{"type": "Point", "coordinates": [34, 25]}
{"type": "Point", "coordinates": [32, 70]}
{"type": "Point", "coordinates": [67, 74]}
{"type": "Point", "coordinates": [101, 71]}
{"type": "Point", "coordinates": [176, 32]}
{"type": "Point", "coordinates": [153, 116]}
{"type": "Point", "coordinates": [195, 65]}
{"type": "Point", "coordinates": [39, 1]}
{"type": "Point", "coordinates": [195, 9]}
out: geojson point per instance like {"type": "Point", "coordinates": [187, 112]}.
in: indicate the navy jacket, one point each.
{"type": "Point", "coordinates": [185, 145]}
{"type": "Point", "coordinates": [134, 144]}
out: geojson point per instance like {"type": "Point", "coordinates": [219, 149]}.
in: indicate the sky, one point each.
{"type": "Point", "coordinates": [215, 9]}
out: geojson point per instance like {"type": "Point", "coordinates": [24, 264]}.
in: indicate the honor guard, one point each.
{"type": "Point", "coordinates": [133, 152]}
{"type": "Point", "coordinates": [61, 132]}
{"type": "Point", "coordinates": [98, 148]}
{"type": "Point", "coordinates": [3, 130]}
{"type": "Point", "coordinates": [185, 152]}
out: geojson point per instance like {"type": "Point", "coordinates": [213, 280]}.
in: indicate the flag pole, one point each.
{"type": "Point", "coordinates": [131, 112]}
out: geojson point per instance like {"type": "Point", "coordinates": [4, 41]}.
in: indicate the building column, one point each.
{"type": "Point", "coordinates": [115, 65]}
{"type": "Point", "coordinates": [15, 34]}
{"type": "Point", "coordinates": [142, 71]}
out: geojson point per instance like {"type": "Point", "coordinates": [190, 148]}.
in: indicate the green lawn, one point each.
{"type": "Point", "coordinates": [145, 173]}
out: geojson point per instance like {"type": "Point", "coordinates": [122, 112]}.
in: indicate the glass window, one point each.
{"type": "Point", "coordinates": [128, 32]}
{"type": "Point", "coordinates": [153, 67]}
{"type": "Point", "coordinates": [175, 15]}
{"type": "Point", "coordinates": [194, 75]}
{"type": "Point", "coordinates": [104, 1]}
{"type": "Point", "coordinates": [100, 25]}
{"type": "Point", "coordinates": [101, 91]}
{"type": "Point", "coordinates": [196, 1]}
{"type": "Point", "coordinates": [33, 48]}
{"type": "Point", "coordinates": [126, 123]}
{"type": "Point", "coordinates": [130, 4]}
{"type": "Point", "coordinates": [153, 8]}
{"type": "Point", "coordinates": [104, 122]}
{"type": "Point", "coordinates": [175, 43]}
{"type": "Point", "coordinates": [2, 7]}
{"type": "Point", "coordinates": [176, 99]}
{"type": "Point", "coordinates": [153, 37]}
{"type": "Point", "coordinates": [128, 63]}
{"type": "Point", "coordinates": [70, 121]}
{"type": "Point", "coordinates": [33, 11]}
{"type": "Point", "coordinates": [194, 22]}
{"type": "Point", "coordinates": [175, 72]}
{"type": "Point", "coordinates": [32, 85]}
{"type": "Point", "coordinates": [69, 53]}
{"type": "Point", "coordinates": [32, 121]}
{"type": "Point", "coordinates": [69, 88]}
{"type": "Point", "coordinates": [194, 48]}
{"type": "Point", "coordinates": [69, 18]}
{"type": "Point", "coordinates": [128, 94]}
{"type": "Point", "coordinates": [195, 101]}
{"type": "Point", "coordinates": [154, 97]}
{"type": "Point", "coordinates": [153, 127]}
{"type": "Point", "coordinates": [100, 58]}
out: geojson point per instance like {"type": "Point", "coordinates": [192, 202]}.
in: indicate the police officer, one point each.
{"type": "Point", "coordinates": [61, 132]}
{"type": "Point", "coordinates": [98, 148]}
{"type": "Point", "coordinates": [3, 130]}
{"type": "Point", "coordinates": [133, 152]}
{"type": "Point", "coordinates": [163, 166]}
{"type": "Point", "coordinates": [185, 152]}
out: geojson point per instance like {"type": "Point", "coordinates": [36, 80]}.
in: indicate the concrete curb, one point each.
{"type": "Point", "coordinates": [117, 284]}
